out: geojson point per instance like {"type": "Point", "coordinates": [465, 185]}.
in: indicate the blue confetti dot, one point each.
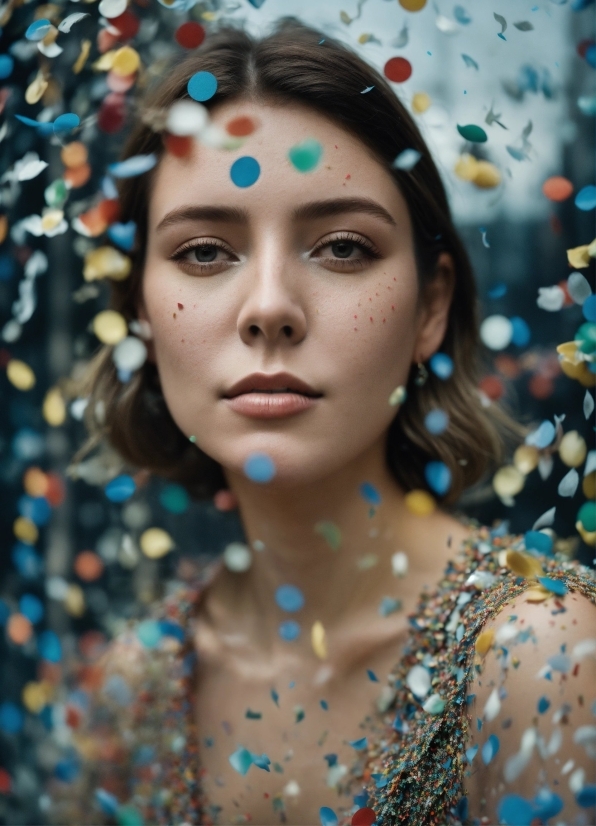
{"type": "Point", "coordinates": [438, 477]}
{"type": "Point", "coordinates": [289, 630]}
{"type": "Point", "coordinates": [7, 267]}
{"type": "Point", "coordinates": [543, 436]}
{"type": "Point", "coordinates": [202, 86]}
{"type": "Point", "coordinates": [497, 291]}
{"type": "Point", "coordinates": [6, 66]}
{"type": "Point", "coordinates": [442, 365]}
{"type": "Point", "coordinates": [259, 467]}
{"type": "Point", "coordinates": [11, 718]}
{"type": "Point", "coordinates": [35, 508]}
{"type": "Point", "coordinates": [513, 810]}
{"type": "Point", "coordinates": [324, 704]}
{"type": "Point", "coordinates": [289, 598]}
{"type": "Point", "coordinates": [369, 492]}
{"type": "Point", "coordinates": [26, 561]}
{"type": "Point", "coordinates": [49, 647]}
{"type": "Point", "coordinates": [436, 422]}
{"type": "Point", "coordinates": [471, 753]}
{"type": "Point", "coordinates": [245, 171]}
{"type": "Point", "coordinates": [108, 803]}
{"type": "Point", "coordinates": [38, 29]}
{"type": "Point", "coordinates": [174, 499]}
{"type": "Point", "coordinates": [547, 804]}
{"type": "Point", "coordinates": [543, 705]}
{"type": "Point", "coordinates": [327, 816]}
{"type": "Point", "coordinates": [31, 607]}
{"type": "Point", "coordinates": [121, 488]}
{"type": "Point", "coordinates": [586, 198]}
{"type": "Point", "coordinates": [538, 541]}
{"type": "Point", "coordinates": [589, 308]}
{"type": "Point", "coordinates": [586, 797]}
{"type": "Point", "coordinates": [490, 749]}
{"type": "Point", "coordinates": [521, 332]}
{"type": "Point", "coordinates": [149, 633]}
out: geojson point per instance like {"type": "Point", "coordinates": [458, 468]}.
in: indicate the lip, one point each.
{"type": "Point", "coordinates": [270, 405]}
{"type": "Point", "coordinates": [271, 381]}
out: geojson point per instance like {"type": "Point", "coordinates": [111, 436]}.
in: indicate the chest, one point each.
{"type": "Point", "coordinates": [303, 720]}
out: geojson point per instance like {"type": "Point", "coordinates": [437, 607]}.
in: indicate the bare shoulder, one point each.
{"type": "Point", "coordinates": [532, 737]}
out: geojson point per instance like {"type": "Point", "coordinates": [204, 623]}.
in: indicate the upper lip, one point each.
{"type": "Point", "coordinates": [270, 381]}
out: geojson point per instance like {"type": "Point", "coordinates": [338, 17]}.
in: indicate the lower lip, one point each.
{"type": "Point", "coordinates": [270, 405]}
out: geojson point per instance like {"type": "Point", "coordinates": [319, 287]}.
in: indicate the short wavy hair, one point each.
{"type": "Point", "coordinates": [297, 64]}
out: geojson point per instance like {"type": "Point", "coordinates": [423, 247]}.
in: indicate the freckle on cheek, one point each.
{"type": "Point", "coordinates": [180, 306]}
{"type": "Point", "coordinates": [173, 315]}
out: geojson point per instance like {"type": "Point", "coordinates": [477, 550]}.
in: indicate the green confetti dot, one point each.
{"type": "Point", "coordinates": [473, 133]}
{"type": "Point", "coordinates": [305, 156]}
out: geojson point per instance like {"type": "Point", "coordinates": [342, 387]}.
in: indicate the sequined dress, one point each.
{"type": "Point", "coordinates": [137, 742]}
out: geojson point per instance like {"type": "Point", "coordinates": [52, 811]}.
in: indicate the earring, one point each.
{"type": "Point", "coordinates": [421, 376]}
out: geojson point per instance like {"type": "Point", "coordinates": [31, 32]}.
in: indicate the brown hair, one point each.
{"type": "Point", "coordinates": [297, 64]}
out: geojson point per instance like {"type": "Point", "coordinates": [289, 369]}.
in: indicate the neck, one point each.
{"type": "Point", "coordinates": [296, 530]}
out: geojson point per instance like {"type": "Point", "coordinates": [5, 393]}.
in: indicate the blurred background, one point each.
{"type": "Point", "coordinates": [75, 560]}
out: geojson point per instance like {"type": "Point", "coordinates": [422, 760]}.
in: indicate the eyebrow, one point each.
{"type": "Point", "coordinates": [306, 212]}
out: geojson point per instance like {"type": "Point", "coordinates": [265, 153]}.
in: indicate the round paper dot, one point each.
{"type": "Point", "coordinates": [587, 516]}
{"type": "Point", "coordinates": [438, 477]}
{"type": "Point", "coordinates": [436, 421]}
{"type": "Point", "coordinates": [412, 5]}
{"type": "Point", "coordinates": [20, 375]}
{"type": "Point", "coordinates": [441, 365]}
{"type": "Point", "coordinates": [259, 467]}
{"type": "Point", "coordinates": [245, 171]}
{"type": "Point", "coordinates": [88, 566]}
{"type": "Point", "coordinates": [202, 86]}
{"type": "Point", "coordinates": [508, 481]}
{"type": "Point", "coordinates": [237, 557]}
{"type": "Point", "coordinates": [129, 354]}
{"type": "Point", "coordinates": [397, 69]}
{"type": "Point", "coordinates": [586, 198]}
{"type": "Point", "coordinates": [289, 630]}
{"type": "Point", "coordinates": [305, 156]}
{"type": "Point", "coordinates": [156, 543]}
{"type": "Point", "coordinates": [126, 61]}
{"type": "Point", "coordinates": [31, 607]}
{"type": "Point", "coordinates": [6, 66]}
{"type": "Point", "coordinates": [190, 35]}
{"type": "Point", "coordinates": [289, 598]}
{"type": "Point", "coordinates": [557, 188]}
{"type": "Point", "coordinates": [419, 502]}
{"type": "Point", "coordinates": [19, 629]}
{"type": "Point", "coordinates": [241, 126]}
{"type": "Point", "coordinates": [496, 332]}
{"type": "Point", "coordinates": [109, 327]}
{"type": "Point", "coordinates": [74, 154]}
{"type": "Point", "coordinates": [421, 102]}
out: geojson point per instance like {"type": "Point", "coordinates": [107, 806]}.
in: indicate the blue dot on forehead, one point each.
{"type": "Point", "coordinates": [245, 171]}
{"type": "Point", "coordinates": [202, 86]}
{"type": "Point", "coordinates": [289, 598]}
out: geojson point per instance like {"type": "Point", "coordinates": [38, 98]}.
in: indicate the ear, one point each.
{"type": "Point", "coordinates": [434, 309]}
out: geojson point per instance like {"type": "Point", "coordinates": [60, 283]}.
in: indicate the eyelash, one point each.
{"type": "Point", "coordinates": [370, 252]}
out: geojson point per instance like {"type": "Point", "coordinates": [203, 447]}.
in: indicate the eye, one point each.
{"type": "Point", "coordinates": [346, 251]}
{"type": "Point", "coordinates": [205, 256]}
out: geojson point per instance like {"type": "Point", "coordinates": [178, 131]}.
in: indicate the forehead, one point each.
{"type": "Point", "coordinates": [347, 167]}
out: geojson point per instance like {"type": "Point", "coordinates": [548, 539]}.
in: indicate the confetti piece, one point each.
{"type": "Point", "coordinates": [524, 26]}
{"type": "Point", "coordinates": [418, 681]}
{"type": "Point", "coordinates": [305, 156]}
{"type": "Point", "coordinates": [553, 585]}
{"type": "Point", "coordinates": [490, 749]}
{"type": "Point", "coordinates": [155, 543]}
{"type": "Point", "coordinates": [470, 62]}
{"type": "Point", "coordinates": [441, 365]}
{"type": "Point", "coordinates": [397, 69]}
{"type": "Point", "coordinates": [438, 477]}
{"type": "Point", "coordinates": [110, 327]}
{"type": "Point", "coordinates": [484, 642]}
{"type": "Point", "coordinates": [419, 502]}
{"type": "Point", "coordinates": [421, 101]}
{"type": "Point", "coordinates": [436, 421]}
{"type": "Point", "coordinates": [434, 705]}
{"type": "Point", "coordinates": [132, 167]}
{"type": "Point", "coordinates": [330, 533]}
{"type": "Point", "coordinates": [406, 160]}
{"type": "Point", "coordinates": [586, 198]}
{"type": "Point", "coordinates": [189, 35]}
{"type": "Point", "coordinates": [318, 640]}
{"type": "Point", "coordinates": [20, 375]}
{"type": "Point", "coordinates": [523, 564]}
{"type": "Point", "coordinates": [569, 483]}
{"type": "Point", "coordinates": [245, 171]}
{"type": "Point", "coordinates": [289, 598]}
{"type": "Point", "coordinates": [120, 489]}
{"type": "Point", "coordinates": [260, 468]}
{"type": "Point", "coordinates": [241, 760]}
{"type": "Point", "coordinates": [327, 816]}
{"type": "Point", "coordinates": [536, 540]}
{"type": "Point", "coordinates": [363, 817]}
{"type": "Point", "coordinates": [472, 133]}
{"type": "Point", "coordinates": [289, 630]}
{"type": "Point", "coordinates": [557, 188]}
{"type": "Point", "coordinates": [237, 557]}
{"type": "Point", "coordinates": [496, 332]}
{"type": "Point", "coordinates": [573, 449]}
{"type": "Point", "coordinates": [359, 744]}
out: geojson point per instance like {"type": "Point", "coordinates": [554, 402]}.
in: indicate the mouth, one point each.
{"type": "Point", "coordinates": [271, 384]}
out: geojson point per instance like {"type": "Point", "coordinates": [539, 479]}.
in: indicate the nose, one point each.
{"type": "Point", "coordinates": [272, 311]}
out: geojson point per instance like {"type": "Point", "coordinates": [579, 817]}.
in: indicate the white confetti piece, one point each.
{"type": "Point", "coordinates": [584, 648]}
{"type": "Point", "coordinates": [31, 169]}
{"type": "Point", "coordinates": [588, 405]}
{"type": "Point", "coordinates": [568, 484]}
{"type": "Point", "coordinates": [434, 705]}
{"type": "Point", "coordinates": [577, 780]}
{"type": "Point", "coordinates": [545, 520]}
{"type": "Point", "coordinates": [399, 564]}
{"type": "Point", "coordinates": [567, 767]}
{"type": "Point", "coordinates": [506, 633]}
{"type": "Point", "coordinates": [590, 462]}
{"type": "Point", "coordinates": [496, 332]}
{"type": "Point", "coordinates": [51, 50]}
{"type": "Point", "coordinates": [418, 681]}
{"type": "Point", "coordinates": [407, 159]}
{"type": "Point", "coordinates": [186, 117]}
{"type": "Point", "coordinates": [493, 706]}
{"type": "Point", "coordinates": [578, 287]}
{"type": "Point", "coordinates": [550, 298]}
{"type": "Point", "coordinates": [545, 467]}
{"type": "Point", "coordinates": [68, 22]}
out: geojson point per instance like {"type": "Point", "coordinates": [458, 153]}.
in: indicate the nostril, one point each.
{"type": "Point", "coordinates": [253, 330]}
{"type": "Point", "coordinates": [287, 330]}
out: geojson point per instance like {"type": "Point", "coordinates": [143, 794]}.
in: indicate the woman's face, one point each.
{"type": "Point", "coordinates": [308, 274]}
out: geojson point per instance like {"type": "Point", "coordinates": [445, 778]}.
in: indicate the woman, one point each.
{"type": "Point", "coordinates": [292, 288]}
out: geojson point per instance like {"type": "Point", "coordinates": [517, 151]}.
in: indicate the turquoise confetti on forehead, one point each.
{"type": "Point", "coordinates": [305, 156]}
{"type": "Point", "coordinates": [202, 86]}
{"type": "Point", "coordinates": [245, 171]}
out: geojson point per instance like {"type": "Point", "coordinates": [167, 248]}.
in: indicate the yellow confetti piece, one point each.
{"type": "Point", "coordinates": [508, 481]}
{"type": "Point", "coordinates": [523, 564]}
{"type": "Point", "coordinates": [51, 218]}
{"type": "Point", "coordinates": [318, 641]}
{"type": "Point", "coordinates": [412, 5]}
{"type": "Point", "coordinates": [486, 176]}
{"type": "Point", "coordinates": [3, 228]}
{"type": "Point", "coordinates": [538, 594]}
{"type": "Point", "coordinates": [126, 61]}
{"type": "Point", "coordinates": [36, 88]}
{"type": "Point", "coordinates": [570, 352]}
{"type": "Point", "coordinates": [589, 537]}
{"type": "Point", "coordinates": [579, 257]}
{"type": "Point", "coordinates": [105, 62]}
{"type": "Point", "coordinates": [589, 485]}
{"type": "Point", "coordinates": [156, 543]}
{"type": "Point", "coordinates": [421, 102]}
{"type": "Point", "coordinates": [484, 642]}
{"type": "Point", "coordinates": [79, 63]}
{"type": "Point", "coordinates": [74, 601]}
{"type": "Point", "coordinates": [25, 530]}
{"type": "Point", "coordinates": [573, 449]}
{"type": "Point", "coordinates": [526, 458]}
{"type": "Point", "coordinates": [37, 695]}
{"type": "Point", "coordinates": [106, 262]}
{"type": "Point", "coordinates": [54, 408]}
{"type": "Point", "coordinates": [466, 166]}
{"type": "Point", "coordinates": [110, 327]}
{"type": "Point", "coordinates": [20, 375]}
{"type": "Point", "coordinates": [419, 502]}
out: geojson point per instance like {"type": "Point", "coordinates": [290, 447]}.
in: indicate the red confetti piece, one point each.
{"type": "Point", "coordinates": [364, 817]}
{"type": "Point", "coordinates": [241, 127]}
{"type": "Point", "coordinates": [178, 145]}
{"type": "Point", "coordinates": [557, 188]}
{"type": "Point", "coordinates": [541, 387]}
{"type": "Point", "coordinates": [398, 69]}
{"type": "Point", "coordinates": [127, 24]}
{"type": "Point", "coordinates": [583, 46]}
{"type": "Point", "coordinates": [190, 35]}
{"type": "Point", "coordinates": [112, 114]}
{"type": "Point", "coordinates": [55, 492]}
{"type": "Point", "coordinates": [5, 782]}
{"type": "Point", "coordinates": [492, 386]}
